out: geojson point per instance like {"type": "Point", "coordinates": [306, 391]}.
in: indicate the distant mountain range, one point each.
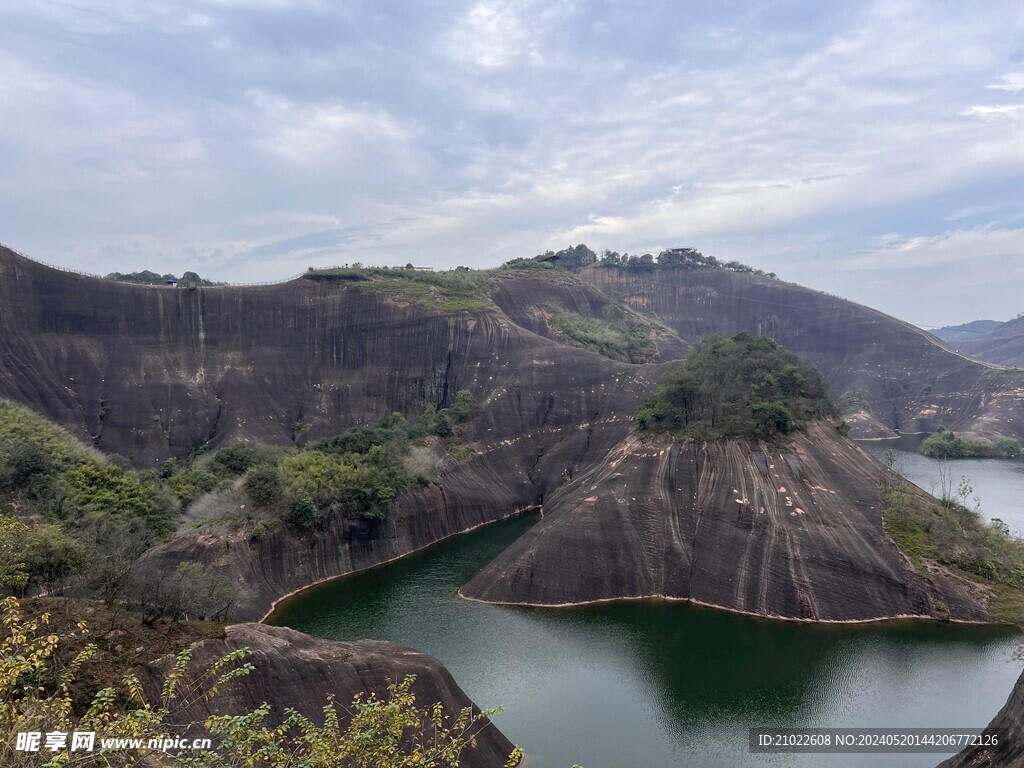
{"type": "Point", "coordinates": [988, 339]}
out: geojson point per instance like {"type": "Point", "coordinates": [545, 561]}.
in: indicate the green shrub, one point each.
{"type": "Point", "coordinates": [259, 532]}
{"type": "Point", "coordinates": [465, 407]}
{"type": "Point", "coordinates": [22, 461]}
{"type": "Point", "coordinates": [262, 484]}
{"type": "Point", "coordinates": [355, 440]}
{"type": "Point", "coordinates": [236, 459]}
{"type": "Point", "coordinates": [621, 337]}
{"type": "Point", "coordinates": [189, 484]}
{"type": "Point", "coordinates": [99, 488]}
{"type": "Point", "coordinates": [303, 511]}
{"type": "Point", "coordinates": [347, 482]}
{"type": "Point", "coordinates": [442, 425]}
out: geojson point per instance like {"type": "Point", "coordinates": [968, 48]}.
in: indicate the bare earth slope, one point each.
{"type": "Point", "coordinates": [303, 671]}
{"type": "Point", "coordinates": [793, 533]}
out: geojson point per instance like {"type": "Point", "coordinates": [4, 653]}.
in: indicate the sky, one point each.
{"type": "Point", "coordinates": [872, 150]}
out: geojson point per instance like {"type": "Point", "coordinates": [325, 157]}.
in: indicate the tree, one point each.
{"type": "Point", "coordinates": [13, 536]}
{"type": "Point", "coordinates": [262, 484]}
{"type": "Point", "coordinates": [52, 557]}
{"type": "Point", "coordinates": [575, 258]}
{"type": "Point", "coordinates": [465, 408]}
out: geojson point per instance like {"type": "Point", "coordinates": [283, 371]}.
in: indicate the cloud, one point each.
{"type": "Point", "coordinates": [979, 246]}
{"type": "Point", "coordinates": [253, 136]}
{"type": "Point", "coordinates": [1013, 82]}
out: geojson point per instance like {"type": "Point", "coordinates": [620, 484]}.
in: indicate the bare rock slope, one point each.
{"type": "Point", "coordinates": [155, 372]}
{"type": "Point", "coordinates": [303, 671]}
{"type": "Point", "coordinates": [792, 532]}
{"type": "Point", "coordinates": [1008, 727]}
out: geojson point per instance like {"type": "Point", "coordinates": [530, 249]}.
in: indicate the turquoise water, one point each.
{"type": "Point", "coordinates": [662, 684]}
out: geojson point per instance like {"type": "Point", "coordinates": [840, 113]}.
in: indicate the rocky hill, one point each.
{"type": "Point", "coordinates": [559, 364]}
{"type": "Point", "coordinates": [1004, 344]}
{"type": "Point", "coordinates": [303, 671]}
{"type": "Point", "coordinates": [896, 376]}
{"type": "Point", "coordinates": [791, 531]}
{"type": "Point", "coordinates": [957, 334]}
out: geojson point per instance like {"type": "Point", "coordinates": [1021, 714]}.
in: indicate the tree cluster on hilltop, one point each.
{"type": "Point", "coordinates": [579, 256]}
{"type": "Point", "coordinates": [145, 277]}
{"type": "Point", "coordinates": [744, 385]}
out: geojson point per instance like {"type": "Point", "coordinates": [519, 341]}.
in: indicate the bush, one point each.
{"type": "Point", "coordinates": [189, 484]}
{"type": "Point", "coordinates": [262, 484]}
{"type": "Point", "coordinates": [302, 511]}
{"type": "Point", "coordinates": [347, 482]}
{"type": "Point", "coordinates": [442, 426]}
{"type": "Point", "coordinates": [22, 461]}
{"type": "Point", "coordinates": [465, 407]}
{"type": "Point", "coordinates": [236, 459]}
{"type": "Point", "coordinates": [355, 440]}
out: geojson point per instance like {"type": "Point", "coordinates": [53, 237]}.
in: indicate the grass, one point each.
{"type": "Point", "coordinates": [959, 539]}
{"type": "Point", "coordinates": [455, 290]}
{"type": "Point", "coordinates": [449, 291]}
{"type": "Point", "coordinates": [623, 337]}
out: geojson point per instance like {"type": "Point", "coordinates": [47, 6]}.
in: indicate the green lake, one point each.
{"type": "Point", "coordinates": [657, 683]}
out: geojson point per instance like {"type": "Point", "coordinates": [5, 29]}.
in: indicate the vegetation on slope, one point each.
{"type": "Point", "coordinates": [467, 290]}
{"type": "Point", "coordinates": [356, 474]}
{"type": "Point", "coordinates": [618, 335]}
{"type": "Point", "coordinates": [41, 693]}
{"type": "Point", "coordinates": [579, 256]}
{"type": "Point", "coordinates": [955, 536]}
{"type": "Point", "coordinates": [944, 444]}
{"type": "Point", "coordinates": [73, 522]}
{"type": "Point", "coordinates": [744, 385]}
{"type": "Point", "coordinates": [455, 290]}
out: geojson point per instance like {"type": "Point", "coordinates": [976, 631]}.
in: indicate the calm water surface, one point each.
{"type": "Point", "coordinates": [998, 483]}
{"type": "Point", "coordinates": [662, 684]}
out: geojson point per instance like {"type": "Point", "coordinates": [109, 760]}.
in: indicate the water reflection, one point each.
{"type": "Point", "coordinates": [657, 683]}
{"type": "Point", "coordinates": [998, 483]}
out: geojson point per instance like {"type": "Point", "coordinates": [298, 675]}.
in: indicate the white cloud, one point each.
{"type": "Point", "coordinates": [324, 135]}
{"type": "Point", "coordinates": [1013, 82]}
{"type": "Point", "coordinates": [977, 246]}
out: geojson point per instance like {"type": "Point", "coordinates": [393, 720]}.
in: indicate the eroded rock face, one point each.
{"type": "Point", "coordinates": [1008, 725]}
{"type": "Point", "coordinates": [300, 671]}
{"type": "Point", "coordinates": [794, 533]}
{"type": "Point", "coordinates": [910, 380]}
{"type": "Point", "coordinates": [154, 372]}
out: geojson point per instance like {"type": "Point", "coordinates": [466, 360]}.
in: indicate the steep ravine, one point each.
{"type": "Point", "coordinates": [792, 532]}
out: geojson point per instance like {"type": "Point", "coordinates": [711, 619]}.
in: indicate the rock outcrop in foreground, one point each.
{"type": "Point", "coordinates": [792, 532]}
{"type": "Point", "coordinates": [1008, 724]}
{"type": "Point", "coordinates": [301, 671]}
